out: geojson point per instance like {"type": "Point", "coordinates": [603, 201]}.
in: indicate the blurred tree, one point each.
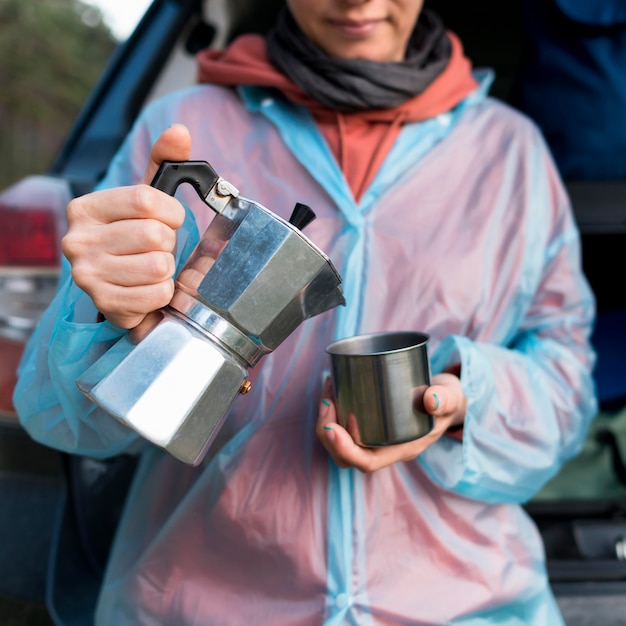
{"type": "Point", "coordinates": [51, 54]}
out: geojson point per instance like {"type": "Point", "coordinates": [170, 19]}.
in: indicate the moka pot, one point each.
{"type": "Point", "coordinates": [250, 282]}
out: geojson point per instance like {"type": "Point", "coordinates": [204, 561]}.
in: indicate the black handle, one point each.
{"type": "Point", "coordinates": [202, 177]}
{"type": "Point", "coordinates": [199, 174]}
{"type": "Point", "coordinates": [301, 216]}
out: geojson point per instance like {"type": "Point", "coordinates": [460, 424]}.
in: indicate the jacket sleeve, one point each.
{"type": "Point", "coordinates": [531, 399]}
{"type": "Point", "coordinates": [68, 339]}
{"type": "Point", "coordinates": [49, 404]}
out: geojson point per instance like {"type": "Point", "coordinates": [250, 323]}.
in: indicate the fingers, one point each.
{"type": "Point", "coordinates": [128, 252]}
{"type": "Point", "coordinates": [125, 203]}
{"type": "Point", "coordinates": [127, 307]}
{"type": "Point", "coordinates": [346, 453]}
{"type": "Point", "coordinates": [436, 401]}
{"type": "Point", "coordinates": [148, 268]}
{"type": "Point", "coordinates": [121, 242]}
{"type": "Point", "coordinates": [444, 400]}
{"type": "Point", "coordinates": [124, 237]}
{"type": "Point", "coordinates": [174, 144]}
{"type": "Point", "coordinates": [334, 438]}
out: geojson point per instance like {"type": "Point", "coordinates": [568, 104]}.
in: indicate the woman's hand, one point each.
{"type": "Point", "coordinates": [121, 242]}
{"type": "Point", "coordinates": [444, 400]}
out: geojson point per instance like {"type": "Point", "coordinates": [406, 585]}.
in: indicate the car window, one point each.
{"type": "Point", "coordinates": [120, 16]}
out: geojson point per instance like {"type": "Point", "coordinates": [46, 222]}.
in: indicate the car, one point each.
{"type": "Point", "coordinates": [74, 503]}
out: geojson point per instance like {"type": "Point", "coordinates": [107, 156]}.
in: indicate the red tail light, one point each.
{"type": "Point", "coordinates": [32, 220]}
{"type": "Point", "coordinates": [28, 236]}
{"type": "Point", "coordinates": [32, 216]}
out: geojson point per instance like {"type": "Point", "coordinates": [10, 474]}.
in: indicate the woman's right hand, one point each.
{"type": "Point", "coordinates": [121, 242]}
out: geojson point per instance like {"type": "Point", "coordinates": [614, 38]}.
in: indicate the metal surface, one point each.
{"type": "Point", "coordinates": [217, 327]}
{"type": "Point", "coordinates": [266, 281]}
{"type": "Point", "coordinates": [250, 282]}
{"type": "Point", "coordinates": [173, 386]}
{"type": "Point", "coordinates": [379, 383]}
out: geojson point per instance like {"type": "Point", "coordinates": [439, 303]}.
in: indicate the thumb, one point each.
{"type": "Point", "coordinates": [436, 401]}
{"type": "Point", "coordinates": [446, 399]}
{"type": "Point", "coordinates": [174, 144]}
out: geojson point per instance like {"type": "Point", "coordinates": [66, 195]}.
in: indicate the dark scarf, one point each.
{"type": "Point", "coordinates": [351, 85]}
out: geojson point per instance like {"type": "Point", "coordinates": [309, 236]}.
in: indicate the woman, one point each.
{"type": "Point", "coordinates": [444, 213]}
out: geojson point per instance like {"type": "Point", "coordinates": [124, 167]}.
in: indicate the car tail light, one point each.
{"type": "Point", "coordinates": [32, 222]}
{"type": "Point", "coordinates": [28, 237]}
{"type": "Point", "coordinates": [32, 218]}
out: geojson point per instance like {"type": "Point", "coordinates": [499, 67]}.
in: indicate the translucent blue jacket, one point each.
{"type": "Point", "coordinates": [465, 233]}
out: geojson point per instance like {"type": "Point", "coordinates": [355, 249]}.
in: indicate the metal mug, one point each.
{"type": "Point", "coordinates": [379, 382]}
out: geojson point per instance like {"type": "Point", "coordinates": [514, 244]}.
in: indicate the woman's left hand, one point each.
{"type": "Point", "coordinates": [444, 400]}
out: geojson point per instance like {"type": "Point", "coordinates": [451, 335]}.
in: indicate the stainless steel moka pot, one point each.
{"type": "Point", "coordinates": [249, 283]}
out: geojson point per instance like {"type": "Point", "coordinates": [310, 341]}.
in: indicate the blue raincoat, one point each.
{"type": "Point", "coordinates": [465, 233]}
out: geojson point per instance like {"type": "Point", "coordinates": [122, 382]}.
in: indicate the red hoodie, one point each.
{"type": "Point", "coordinates": [360, 141]}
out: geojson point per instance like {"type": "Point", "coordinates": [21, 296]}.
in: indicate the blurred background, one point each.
{"type": "Point", "coordinates": [51, 54]}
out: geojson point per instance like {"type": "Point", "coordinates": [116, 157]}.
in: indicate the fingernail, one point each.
{"type": "Point", "coordinates": [436, 401]}
{"type": "Point", "coordinates": [326, 402]}
{"type": "Point", "coordinates": [331, 433]}
{"type": "Point", "coordinates": [325, 406]}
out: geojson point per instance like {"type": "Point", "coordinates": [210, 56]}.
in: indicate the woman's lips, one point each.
{"type": "Point", "coordinates": [356, 29]}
